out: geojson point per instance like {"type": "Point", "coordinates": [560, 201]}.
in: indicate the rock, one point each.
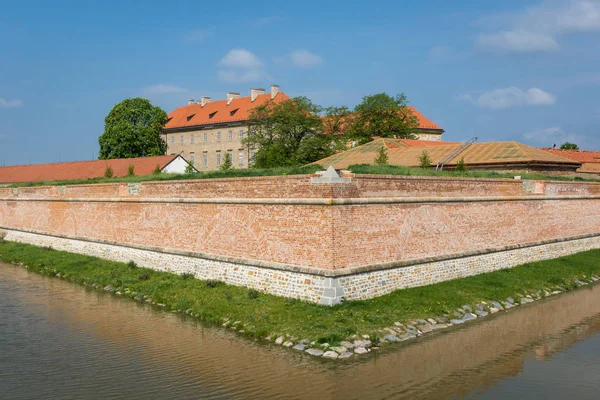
{"type": "Point", "coordinates": [525, 300]}
{"type": "Point", "coordinates": [556, 292]}
{"type": "Point", "coordinates": [469, 317]}
{"type": "Point", "coordinates": [467, 308]}
{"type": "Point", "coordinates": [363, 343]}
{"type": "Point", "coordinates": [299, 347]}
{"type": "Point", "coordinates": [391, 338]}
{"type": "Point", "coordinates": [279, 340]}
{"type": "Point", "coordinates": [457, 314]}
{"type": "Point", "coordinates": [457, 321]}
{"type": "Point", "coordinates": [286, 344]}
{"type": "Point", "coordinates": [398, 324]}
{"type": "Point", "coordinates": [480, 307]}
{"type": "Point", "coordinates": [441, 320]}
{"type": "Point", "coordinates": [58, 275]}
{"type": "Point", "coordinates": [481, 313]}
{"type": "Point", "coordinates": [421, 321]}
{"type": "Point", "coordinates": [431, 321]}
{"type": "Point", "coordinates": [407, 336]}
{"type": "Point", "coordinates": [507, 305]}
{"type": "Point", "coordinates": [330, 354]}
{"type": "Point", "coordinates": [345, 354]}
{"type": "Point", "coordinates": [392, 331]}
{"type": "Point", "coordinates": [438, 327]}
{"type": "Point", "coordinates": [425, 328]}
{"type": "Point", "coordinates": [304, 341]}
{"type": "Point", "coordinates": [460, 310]}
{"type": "Point", "coordinates": [361, 350]}
{"type": "Point", "coordinates": [242, 331]}
{"type": "Point", "coordinates": [235, 323]}
{"type": "Point", "coordinates": [325, 345]}
{"type": "Point", "coordinates": [347, 345]}
{"type": "Point", "coordinates": [314, 352]}
{"type": "Point", "coordinates": [366, 336]}
{"type": "Point", "coordinates": [497, 305]}
{"type": "Point", "coordinates": [108, 288]}
{"type": "Point", "coordinates": [494, 310]}
{"type": "Point", "coordinates": [339, 349]}
{"type": "Point", "coordinates": [510, 300]}
{"type": "Point", "coordinates": [580, 283]}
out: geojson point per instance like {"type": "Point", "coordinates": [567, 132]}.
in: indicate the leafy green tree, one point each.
{"type": "Point", "coordinates": [131, 170]}
{"type": "Point", "coordinates": [132, 129]}
{"type": "Point", "coordinates": [461, 166]}
{"type": "Point", "coordinates": [384, 116]}
{"type": "Point", "coordinates": [287, 134]}
{"type": "Point", "coordinates": [382, 156]}
{"type": "Point", "coordinates": [425, 160]}
{"type": "Point", "coordinates": [227, 163]}
{"type": "Point", "coordinates": [569, 146]}
{"type": "Point", "coordinates": [157, 170]}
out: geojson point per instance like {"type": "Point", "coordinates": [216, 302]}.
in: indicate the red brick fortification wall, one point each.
{"type": "Point", "coordinates": [369, 221]}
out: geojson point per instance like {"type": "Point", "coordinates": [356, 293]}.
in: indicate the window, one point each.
{"type": "Point", "coordinates": [241, 158]}
{"type": "Point", "coordinates": [205, 137]}
{"type": "Point", "coordinates": [181, 139]}
{"type": "Point", "coordinates": [218, 136]}
{"type": "Point", "coordinates": [230, 135]}
{"type": "Point", "coordinates": [241, 135]}
{"type": "Point", "coordinates": [205, 160]}
{"type": "Point", "coordinates": [251, 161]}
{"type": "Point", "coordinates": [192, 159]}
{"type": "Point", "coordinates": [218, 159]}
{"type": "Point", "coordinates": [191, 139]}
{"type": "Point", "coordinates": [173, 139]}
{"type": "Point", "coordinates": [190, 117]}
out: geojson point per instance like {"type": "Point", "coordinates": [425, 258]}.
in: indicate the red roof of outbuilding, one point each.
{"type": "Point", "coordinates": [81, 169]}
{"type": "Point", "coordinates": [424, 122]}
{"type": "Point", "coordinates": [218, 112]}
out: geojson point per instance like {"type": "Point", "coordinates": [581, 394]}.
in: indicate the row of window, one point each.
{"type": "Point", "coordinates": [219, 158]}
{"type": "Point", "coordinates": [241, 134]}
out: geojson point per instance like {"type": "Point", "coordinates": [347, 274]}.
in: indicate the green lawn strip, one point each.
{"type": "Point", "coordinates": [232, 173]}
{"type": "Point", "coordinates": [271, 315]}
{"type": "Point", "coordinates": [414, 171]}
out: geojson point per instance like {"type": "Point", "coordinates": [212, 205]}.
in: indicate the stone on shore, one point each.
{"type": "Point", "coordinates": [345, 354]}
{"type": "Point", "coordinates": [469, 317]}
{"type": "Point", "coordinates": [481, 313]}
{"type": "Point", "coordinates": [330, 354]}
{"type": "Point", "coordinates": [299, 347]}
{"type": "Point", "coordinates": [347, 345]}
{"type": "Point", "coordinates": [363, 343]}
{"type": "Point", "coordinates": [279, 340]}
{"type": "Point", "coordinates": [457, 321]}
{"type": "Point", "coordinates": [315, 352]}
{"type": "Point", "coordinates": [361, 350]}
{"type": "Point", "coordinates": [391, 338]}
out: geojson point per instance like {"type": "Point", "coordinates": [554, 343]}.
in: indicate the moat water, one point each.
{"type": "Point", "coordinates": [59, 340]}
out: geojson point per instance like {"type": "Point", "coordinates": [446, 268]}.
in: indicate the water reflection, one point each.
{"type": "Point", "coordinates": [62, 341]}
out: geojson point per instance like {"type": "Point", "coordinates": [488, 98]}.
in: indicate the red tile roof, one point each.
{"type": "Point", "coordinates": [218, 112]}
{"type": "Point", "coordinates": [590, 160]}
{"type": "Point", "coordinates": [81, 169]}
{"type": "Point", "coordinates": [424, 122]}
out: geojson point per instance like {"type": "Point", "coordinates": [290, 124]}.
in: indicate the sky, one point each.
{"type": "Point", "coordinates": [510, 70]}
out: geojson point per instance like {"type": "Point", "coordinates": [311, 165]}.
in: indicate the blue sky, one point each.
{"type": "Point", "coordinates": [510, 70]}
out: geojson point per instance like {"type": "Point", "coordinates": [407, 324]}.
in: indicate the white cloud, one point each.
{"type": "Point", "coordinates": [300, 58]}
{"type": "Point", "coordinates": [264, 21]}
{"type": "Point", "coordinates": [14, 103]}
{"type": "Point", "coordinates": [517, 41]}
{"type": "Point", "coordinates": [163, 88]}
{"type": "Point", "coordinates": [555, 135]}
{"type": "Point", "coordinates": [510, 97]}
{"type": "Point", "coordinates": [241, 58]}
{"type": "Point", "coordinates": [198, 35]}
{"type": "Point", "coordinates": [537, 28]}
{"type": "Point", "coordinates": [233, 76]}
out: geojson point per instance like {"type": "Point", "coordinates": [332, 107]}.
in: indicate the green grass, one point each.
{"type": "Point", "coordinates": [415, 171]}
{"type": "Point", "coordinates": [264, 314]}
{"type": "Point", "coordinates": [232, 173]}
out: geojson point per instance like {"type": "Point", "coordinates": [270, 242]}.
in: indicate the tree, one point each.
{"type": "Point", "coordinates": [132, 129]}
{"type": "Point", "coordinates": [461, 166]}
{"type": "Point", "coordinates": [382, 156]}
{"type": "Point", "coordinates": [287, 133]}
{"type": "Point", "coordinates": [189, 168]}
{"type": "Point", "coordinates": [157, 170]}
{"type": "Point", "coordinates": [227, 163]}
{"type": "Point", "coordinates": [569, 146]}
{"type": "Point", "coordinates": [384, 116]}
{"type": "Point", "coordinates": [108, 172]}
{"type": "Point", "coordinates": [131, 170]}
{"type": "Point", "coordinates": [425, 160]}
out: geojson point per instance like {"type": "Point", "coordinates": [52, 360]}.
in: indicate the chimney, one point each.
{"type": "Point", "coordinates": [231, 96]}
{"type": "Point", "coordinates": [190, 101]}
{"type": "Point", "coordinates": [274, 91]}
{"type": "Point", "coordinates": [255, 92]}
{"type": "Point", "coordinates": [204, 100]}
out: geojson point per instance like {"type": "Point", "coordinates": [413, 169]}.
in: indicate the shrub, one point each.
{"type": "Point", "coordinates": [132, 265]}
{"type": "Point", "coordinates": [211, 283]}
{"type": "Point", "coordinates": [227, 295]}
{"type": "Point", "coordinates": [131, 170]}
{"type": "Point", "coordinates": [382, 156]}
{"type": "Point", "coordinates": [461, 166]}
{"type": "Point", "coordinates": [227, 163]}
{"type": "Point", "coordinates": [2, 235]}
{"type": "Point", "coordinates": [143, 277]}
{"type": "Point", "coordinates": [252, 293]}
{"type": "Point", "coordinates": [108, 172]}
{"type": "Point", "coordinates": [425, 160]}
{"type": "Point", "coordinates": [189, 168]}
{"type": "Point", "coordinates": [187, 275]}
{"type": "Point", "coordinates": [157, 170]}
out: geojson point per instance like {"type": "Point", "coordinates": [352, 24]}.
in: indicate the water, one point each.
{"type": "Point", "coordinates": [59, 340]}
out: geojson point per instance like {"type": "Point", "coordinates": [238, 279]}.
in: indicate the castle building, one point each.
{"type": "Point", "coordinates": [204, 131]}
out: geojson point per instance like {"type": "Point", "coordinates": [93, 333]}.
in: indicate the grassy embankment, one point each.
{"type": "Point", "coordinates": [308, 169]}
{"type": "Point", "coordinates": [263, 314]}
{"type": "Point", "coordinates": [414, 171]}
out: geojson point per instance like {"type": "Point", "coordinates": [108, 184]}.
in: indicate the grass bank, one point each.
{"type": "Point", "coordinates": [232, 173]}
{"type": "Point", "coordinates": [414, 171]}
{"type": "Point", "coordinates": [262, 314]}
